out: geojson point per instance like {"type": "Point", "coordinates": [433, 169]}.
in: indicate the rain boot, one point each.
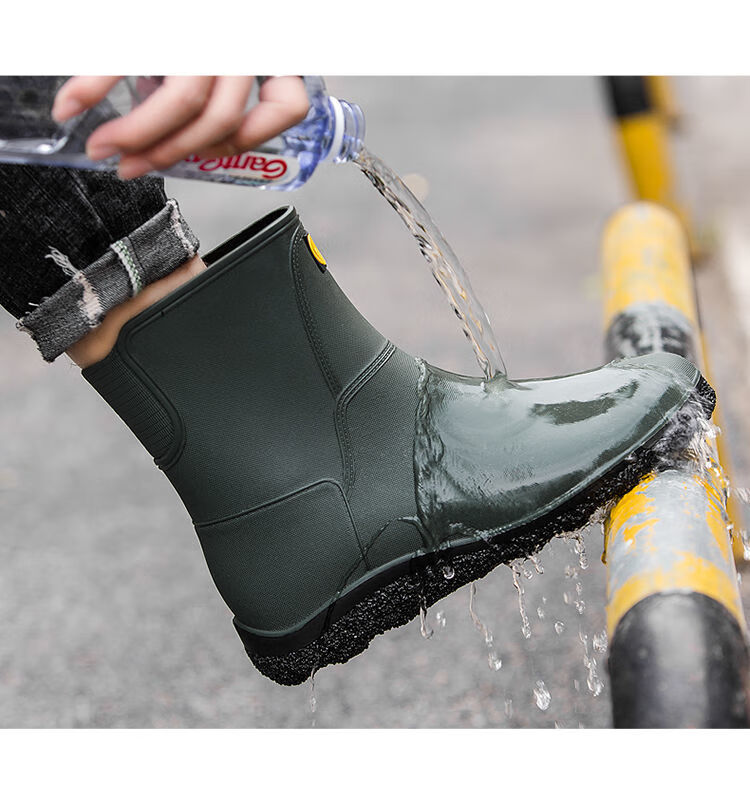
{"type": "Point", "coordinates": [336, 483]}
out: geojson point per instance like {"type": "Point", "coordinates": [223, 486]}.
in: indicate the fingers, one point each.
{"type": "Point", "coordinates": [220, 119]}
{"type": "Point", "coordinates": [178, 101]}
{"type": "Point", "coordinates": [79, 93]}
{"type": "Point", "coordinates": [185, 115]}
{"type": "Point", "coordinates": [283, 103]}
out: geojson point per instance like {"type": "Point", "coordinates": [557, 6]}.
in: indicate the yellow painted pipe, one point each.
{"type": "Point", "coordinates": [645, 260]}
{"type": "Point", "coordinates": [663, 99]}
{"type": "Point", "coordinates": [645, 147]}
{"type": "Point", "coordinates": [644, 143]}
{"type": "Point", "coordinates": [671, 532]}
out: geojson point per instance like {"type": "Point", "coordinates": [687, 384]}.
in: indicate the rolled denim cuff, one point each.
{"type": "Point", "coordinates": [150, 252]}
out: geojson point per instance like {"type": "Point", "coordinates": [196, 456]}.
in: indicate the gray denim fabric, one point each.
{"type": "Point", "coordinates": [75, 243]}
{"type": "Point", "coordinates": [150, 252]}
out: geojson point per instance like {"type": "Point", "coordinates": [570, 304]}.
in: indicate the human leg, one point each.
{"type": "Point", "coordinates": [76, 245]}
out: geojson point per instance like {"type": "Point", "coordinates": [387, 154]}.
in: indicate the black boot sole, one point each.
{"type": "Point", "coordinates": [395, 596]}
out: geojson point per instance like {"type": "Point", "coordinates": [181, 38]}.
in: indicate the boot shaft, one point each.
{"type": "Point", "coordinates": [238, 372]}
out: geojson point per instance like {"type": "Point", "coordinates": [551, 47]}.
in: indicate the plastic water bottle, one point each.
{"type": "Point", "coordinates": [333, 131]}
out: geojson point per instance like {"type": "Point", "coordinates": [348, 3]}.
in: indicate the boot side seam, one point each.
{"type": "Point", "coordinates": [198, 525]}
{"type": "Point", "coordinates": [307, 317]}
{"type": "Point", "coordinates": [269, 503]}
{"type": "Point", "coordinates": [344, 399]}
{"type": "Point", "coordinates": [172, 456]}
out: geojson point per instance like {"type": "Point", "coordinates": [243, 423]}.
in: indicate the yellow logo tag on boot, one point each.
{"type": "Point", "coordinates": [316, 253]}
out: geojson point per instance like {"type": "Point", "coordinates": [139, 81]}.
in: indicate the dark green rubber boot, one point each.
{"type": "Point", "coordinates": [338, 484]}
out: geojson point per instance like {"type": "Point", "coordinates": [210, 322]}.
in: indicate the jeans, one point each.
{"type": "Point", "coordinates": [74, 243]}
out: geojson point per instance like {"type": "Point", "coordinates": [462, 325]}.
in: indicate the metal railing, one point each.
{"type": "Point", "coordinates": [678, 649]}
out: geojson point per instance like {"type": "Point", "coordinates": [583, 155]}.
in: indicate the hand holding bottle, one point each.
{"type": "Point", "coordinates": [185, 115]}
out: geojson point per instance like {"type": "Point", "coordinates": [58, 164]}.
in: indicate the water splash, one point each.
{"type": "Point", "coordinates": [542, 696]}
{"type": "Point", "coordinates": [559, 627]}
{"type": "Point", "coordinates": [599, 642]}
{"type": "Point", "coordinates": [445, 266]}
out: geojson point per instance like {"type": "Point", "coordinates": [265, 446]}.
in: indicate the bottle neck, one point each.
{"type": "Point", "coordinates": [348, 131]}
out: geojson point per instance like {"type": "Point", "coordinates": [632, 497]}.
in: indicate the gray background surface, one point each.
{"type": "Point", "coordinates": [108, 616]}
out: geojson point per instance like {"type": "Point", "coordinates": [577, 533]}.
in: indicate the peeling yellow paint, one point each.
{"type": "Point", "coordinates": [689, 574]}
{"type": "Point", "coordinates": [630, 532]}
{"type": "Point", "coordinates": [646, 260]}
{"type": "Point", "coordinates": [631, 505]}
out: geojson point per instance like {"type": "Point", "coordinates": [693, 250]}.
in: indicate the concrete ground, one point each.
{"type": "Point", "coordinates": [108, 616]}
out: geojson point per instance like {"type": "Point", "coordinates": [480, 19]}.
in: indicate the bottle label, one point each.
{"type": "Point", "coordinates": [266, 169]}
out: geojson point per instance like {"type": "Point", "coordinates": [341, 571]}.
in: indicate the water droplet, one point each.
{"type": "Point", "coordinates": [509, 707]}
{"type": "Point", "coordinates": [313, 701]}
{"type": "Point", "coordinates": [540, 612]}
{"type": "Point", "coordinates": [580, 549]}
{"type": "Point", "coordinates": [515, 568]}
{"type": "Point", "coordinates": [580, 605]}
{"type": "Point", "coordinates": [493, 659]}
{"type": "Point", "coordinates": [536, 564]}
{"type": "Point", "coordinates": [440, 618]}
{"type": "Point", "coordinates": [448, 572]}
{"type": "Point", "coordinates": [542, 696]}
{"type": "Point", "coordinates": [593, 682]}
{"type": "Point", "coordinates": [424, 627]}
{"type": "Point", "coordinates": [559, 627]}
{"type": "Point", "coordinates": [599, 642]}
